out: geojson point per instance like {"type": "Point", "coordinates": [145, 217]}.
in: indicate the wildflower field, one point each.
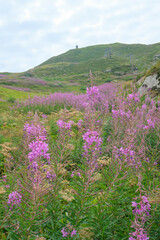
{"type": "Point", "coordinates": [81, 166]}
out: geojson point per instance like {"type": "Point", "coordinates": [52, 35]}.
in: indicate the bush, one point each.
{"type": "Point", "coordinates": [11, 100]}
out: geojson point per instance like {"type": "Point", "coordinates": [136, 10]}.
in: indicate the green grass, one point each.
{"type": "Point", "coordinates": [6, 94]}
{"type": "Point", "coordinates": [154, 70]}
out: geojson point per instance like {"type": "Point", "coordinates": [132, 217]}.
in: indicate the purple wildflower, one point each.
{"type": "Point", "coordinates": [73, 232]}
{"type": "Point", "coordinates": [93, 93]}
{"type": "Point", "coordinates": [38, 149]}
{"type": "Point", "coordinates": [141, 212]}
{"type": "Point", "coordinates": [50, 175]}
{"type": "Point", "coordinates": [68, 230]}
{"type": "Point", "coordinates": [14, 198]}
{"type": "Point", "coordinates": [64, 125]}
{"type": "Point", "coordinates": [64, 232]}
{"type": "Point", "coordinates": [133, 97]}
{"type": "Point", "coordinates": [92, 138]}
{"type": "Point", "coordinates": [4, 178]}
{"type": "Point", "coordinates": [35, 131]}
{"type": "Point", "coordinates": [72, 175]}
{"type": "Point", "coordinates": [79, 123]}
{"type": "Point", "coordinates": [151, 123]}
{"type": "Point", "coordinates": [44, 116]}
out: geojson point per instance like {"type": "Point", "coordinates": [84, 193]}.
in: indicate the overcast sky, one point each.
{"type": "Point", "coordinates": [31, 31]}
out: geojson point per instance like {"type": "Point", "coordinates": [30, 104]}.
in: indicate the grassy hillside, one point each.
{"type": "Point", "coordinates": [154, 69]}
{"type": "Point", "coordinates": [107, 62]}
{"type": "Point", "coordinates": [117, 49]}
{"type": "Point", "coordinates": [70, 71]}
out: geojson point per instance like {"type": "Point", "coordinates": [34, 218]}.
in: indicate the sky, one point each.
{"type": "Point", "coordinates": [32, 31]}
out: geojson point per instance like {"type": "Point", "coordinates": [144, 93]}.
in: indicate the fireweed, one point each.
{"type": "Point", "coordinates": [33, 184]}
{"type": "Point", "coordinates": [84, 176]}
{"type": "Point", "coordinates": [94, 108]}
{"type": "Point", "coordinates": [62, 143]}
{"type": "Point", "coordinates": [101, 190]}
{"type": "Point", "coordinates": [142, 214]}
{"type": "Point", "coordinates": [68, 231]}
{"type": "Point", "coordinates": [100, 97]}
{"type": "Point", "coordinates": [14, 199]}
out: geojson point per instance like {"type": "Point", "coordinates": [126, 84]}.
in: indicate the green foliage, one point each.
{"type": "Point", "coordinates": [107, 130]}
{"type": "Point", "coordinates": [54, 130]}
{"type": "Point", "coordinates": [154, 70]}
{"type": "Point", "coordinates": [11, 100]}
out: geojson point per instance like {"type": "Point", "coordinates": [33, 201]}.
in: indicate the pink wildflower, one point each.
{"type": "Point", "coordinates": [68, 230]}
{"type": "Point", "coordinates": [141, 212]}
{"type": "Point", "coordinates": [64, 125]}
{"type": "Point", "coordinates": [14, 198]}
{"type": "Point", "coordinates": [38, 149]}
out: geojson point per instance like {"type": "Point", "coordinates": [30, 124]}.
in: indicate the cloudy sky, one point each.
{"type": "Point", "coordinates": [31, 31]}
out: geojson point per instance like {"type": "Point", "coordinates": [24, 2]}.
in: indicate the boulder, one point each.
{"type": "Point", "coordinates": [151, 83]}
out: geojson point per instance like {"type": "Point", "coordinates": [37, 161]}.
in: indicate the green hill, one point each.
{"type": "Point", "coordinates": [106, 62]}
{"type": "Point", "coordinates": [70, 71]}
{"type": "Point", "coordinates": [100, 51]}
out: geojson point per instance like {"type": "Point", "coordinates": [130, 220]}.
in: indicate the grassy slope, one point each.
{"type": "Point", "coordinates": [95, 52]}
{"type": "Point", "coordinates": [154, 70]}
{"type": "Point", "coordinates": [76, 63]}
{"type": "Point", "coordinates": [70, 71]}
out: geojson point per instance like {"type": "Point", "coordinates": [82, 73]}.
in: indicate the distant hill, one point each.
{"type": "Point", "coordinates": [124, 51]}
{"type": "Point", "coordinates": [105, 61]}
{"type": "Point", "coordinates": [70, 71]}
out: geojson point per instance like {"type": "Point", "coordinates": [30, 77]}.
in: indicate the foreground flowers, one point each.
{"type": "Point", "coordinates": [141, 213]}
{"type": "Point", "coordinates": [63, 189]}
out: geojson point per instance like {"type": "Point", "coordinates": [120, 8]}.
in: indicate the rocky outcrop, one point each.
{"type": "Point", "coordinates": [151, 83]}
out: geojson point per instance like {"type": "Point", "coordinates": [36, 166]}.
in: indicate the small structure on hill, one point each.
{"type": "Point", "coordinates": [108, 53]}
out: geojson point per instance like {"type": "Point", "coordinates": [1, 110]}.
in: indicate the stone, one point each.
{"type": "Point", "coordinates": [150, 83]}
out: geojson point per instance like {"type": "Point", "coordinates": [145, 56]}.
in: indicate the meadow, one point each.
{"type": "Point", "coordinates": [81, 166]}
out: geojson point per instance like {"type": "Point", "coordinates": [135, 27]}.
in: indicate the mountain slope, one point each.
{"type": "Point", "coordinates": [99, 51]}
{"type": "Point", "coordinates": [70, 71]}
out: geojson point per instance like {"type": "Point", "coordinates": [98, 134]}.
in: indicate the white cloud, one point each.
{"type": "Point", "coordinates": [31, 31]}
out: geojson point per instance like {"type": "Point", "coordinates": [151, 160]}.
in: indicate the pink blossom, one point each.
{"type": "Point", "coordinates": [151, 123]}
{"type": "Point", "coordinates": [134, 97]}
{"type": "Point", "coordinates": [73, 232]}
{"type": "Point", "coordinates": [64, 125]}
{"type": "Point", "coordinates": [79, 123]}
{"type": "Point", "coordinates": [35, 131]}
{"type": "Point", "coordinates": [38, 149]}
{"type": "Point", "coordinates": [64, 232]}
{"type": "Point", "coordinates": [68, 230]}
{"type": "Point", "coordinates": [14, 198]}
{"type": "Point", "coordinates": [141, 212]}
{"type": "Point", "coordinates": [72, 175]}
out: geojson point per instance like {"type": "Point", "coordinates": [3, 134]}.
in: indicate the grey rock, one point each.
{"type": "Point", "coordinates": [150, 83]}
